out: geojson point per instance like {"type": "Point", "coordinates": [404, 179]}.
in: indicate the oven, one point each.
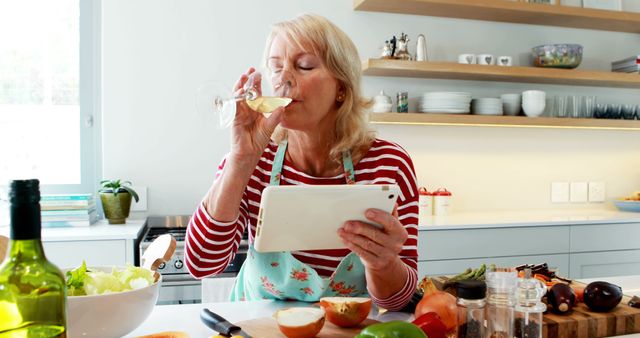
{"type": "Point", "coordinates": [178, 286]}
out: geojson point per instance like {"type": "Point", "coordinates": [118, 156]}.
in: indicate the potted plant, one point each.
{"type": "Point", "coordinates": [115, 196]}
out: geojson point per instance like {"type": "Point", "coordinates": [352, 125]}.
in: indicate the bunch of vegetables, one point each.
{"type": "Point", "coordinates": [469, 274]}
{"type": "Point", "coordinates": [437, 312]}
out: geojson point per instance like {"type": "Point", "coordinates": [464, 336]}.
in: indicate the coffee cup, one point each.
{"type": "Point", "coordinates": [468, 59]}
{"type": "Point", "coordinates": [505, 61]}
{"type": "Point", "coordinates": [485, 59]}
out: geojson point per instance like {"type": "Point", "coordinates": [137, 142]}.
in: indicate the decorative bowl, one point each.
{"type": "Point", "coordinates": [557, 56]}
{"type": "Point", "coordinates": [631, 206]}
{"type": "Point", "coordinates": [111, 314]}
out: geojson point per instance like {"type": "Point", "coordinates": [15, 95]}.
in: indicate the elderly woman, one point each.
{"type": "Point", "coordinates": [321, 137]}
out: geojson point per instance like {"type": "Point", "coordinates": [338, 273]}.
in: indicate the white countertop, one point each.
{"type": "Point", "coordinates": [101, 230]}
{"type": "Point", "coordinates": [186, 317]}
{"type": "Point", "coordinates": [523, 218]}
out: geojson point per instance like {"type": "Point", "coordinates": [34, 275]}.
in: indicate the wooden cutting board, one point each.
{"type": "Point", "coordinates": [268, 328]}
{"type": "Point", "coordinates": [583, 323]}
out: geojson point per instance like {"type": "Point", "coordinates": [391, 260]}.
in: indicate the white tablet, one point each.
{"type": "Point", "coordinates": [307, 217]}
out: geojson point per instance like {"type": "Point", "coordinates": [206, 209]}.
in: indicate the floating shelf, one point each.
{"type": "Point", "coordinates": [510, 11]}
{"type": "Point", "coordinates": [457, 71]}
{"type": "Point", "coordinates": [501, 121]}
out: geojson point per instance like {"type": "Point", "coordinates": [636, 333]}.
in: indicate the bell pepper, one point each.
{"type": "Point", "coordinates": [431, 324]}
{"type": "Point", "coordinates": [393, 329]}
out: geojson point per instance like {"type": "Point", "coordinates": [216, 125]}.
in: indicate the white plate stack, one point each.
{"type": "Point", "coordinates": [486, 106]}
{"type": "Point", "coordinates": [445, 102]}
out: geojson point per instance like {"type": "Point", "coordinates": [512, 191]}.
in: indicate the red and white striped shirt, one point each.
{"type": "Point", "coordinates": [210, 245]}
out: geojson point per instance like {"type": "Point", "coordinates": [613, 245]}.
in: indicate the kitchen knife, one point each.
{"type": "Point", "coordinates": [217, 323]}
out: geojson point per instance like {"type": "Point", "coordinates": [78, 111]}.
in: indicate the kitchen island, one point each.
{"type": "Point", "coordinates": [186, 317]}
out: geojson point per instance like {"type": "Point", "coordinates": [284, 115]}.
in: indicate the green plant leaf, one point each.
{"type": "Point", "coordinates": [132, 192]}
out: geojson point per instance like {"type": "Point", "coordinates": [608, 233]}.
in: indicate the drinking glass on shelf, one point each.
{"type": "Point", "coordinates": [628, 112]}
{"type": "Point", "coordinates": [216, 101]}
{"type": "Point", "coordinates": [588, 106]}
{"type": "Point", "coordinates": [574, 106]}
{"type": "Point", "coordinates": [560, 106]}
{"type": "Point", "coordinates": [600, 112]}
{"type": "Point", "coordinates": [613, 111]}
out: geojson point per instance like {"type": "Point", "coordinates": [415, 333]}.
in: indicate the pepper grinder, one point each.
{"type": "Point", "coordinates": [529, 307]}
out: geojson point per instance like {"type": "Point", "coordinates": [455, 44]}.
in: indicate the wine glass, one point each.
{"type": "Point", "coordinates": [218, 102]}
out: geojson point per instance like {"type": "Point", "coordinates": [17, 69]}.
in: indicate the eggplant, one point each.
{"type": "Point", "coordinates": [602, 296]}
{"type": "Point", "coordinates": [561, 298]}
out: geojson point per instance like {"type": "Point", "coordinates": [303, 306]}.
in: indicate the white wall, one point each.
{"type": "Point", "coordinates": [156, 53]}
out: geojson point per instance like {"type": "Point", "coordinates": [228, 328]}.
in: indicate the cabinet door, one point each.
{"type": "Point", "coordinates": [455, 266]}
{"type": "Point", "coordinates": [604, 264]}
{"type": "Point", "coordinates": [70, 254]}
{"type": "Point", "coordinates": [605, 237]}
{"type": "Point", "coordinates": [492, 242]}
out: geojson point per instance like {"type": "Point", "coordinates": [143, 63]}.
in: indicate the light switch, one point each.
{"type": "Point", "coordinates": [560, 192]}
{"type": "Point", "coordinates": [578, 192]}
{"type": "Point", "coordinates": [596, 191]}
{"type": "Point", "coordinates": [142, 199]}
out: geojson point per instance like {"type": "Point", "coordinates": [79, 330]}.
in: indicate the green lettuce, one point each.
{"type": "Point", "coordinates": [82, 281]}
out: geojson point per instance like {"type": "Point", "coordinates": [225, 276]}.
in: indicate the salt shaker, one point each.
{"type": "Point", "coordinates": [471, 303]}
{"type": "Point", "coordinates": [441, 202]}
{"type": "Point", "coordinates": [425, 205]}
{"type": "Point", "coordinates": [529, 307]}
{"type": "Point", "coordinates": [421, 48]}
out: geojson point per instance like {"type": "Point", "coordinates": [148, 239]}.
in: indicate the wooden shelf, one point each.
{"type": "Point", "coordinates": [457, 71]}
{"type": "Point", "coordinates": [501, 121]}
{"type": "Point", "coordinates": [510, 11]}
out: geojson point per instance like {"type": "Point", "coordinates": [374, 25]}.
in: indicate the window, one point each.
{"type": "Point", "coordinates": [48, 73]}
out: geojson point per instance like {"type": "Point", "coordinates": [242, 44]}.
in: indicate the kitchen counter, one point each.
{"type": "Point", "coordinates": [526, 218]}
{"type": "Point", "coordinates": [101, 230]}
{"type": "Point", "coordinates": [186, 317]}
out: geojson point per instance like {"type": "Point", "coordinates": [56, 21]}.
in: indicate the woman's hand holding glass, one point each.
{"type": "Point", "coordinates": [377, 248]}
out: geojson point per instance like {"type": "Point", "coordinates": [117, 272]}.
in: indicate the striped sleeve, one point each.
{"type": "Point", "coordinates": [210, 245]}
{"type": "Point", "coordinates": [408, 216]}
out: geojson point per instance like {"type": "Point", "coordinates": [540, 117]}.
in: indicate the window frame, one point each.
{"type": "Point", "coordinates": [89, 102]}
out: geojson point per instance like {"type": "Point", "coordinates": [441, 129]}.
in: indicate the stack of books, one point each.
{"type": "Point", "coordinates": [628, 65]}
{"type": "Point", "coordinates": [68, 210]}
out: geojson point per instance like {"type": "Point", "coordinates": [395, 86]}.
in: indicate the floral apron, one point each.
{"type": "Point", "coordinates": [279, 275]}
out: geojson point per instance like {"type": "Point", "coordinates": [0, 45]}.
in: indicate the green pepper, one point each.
{"type": "Point", "coordinates": [393, 329]}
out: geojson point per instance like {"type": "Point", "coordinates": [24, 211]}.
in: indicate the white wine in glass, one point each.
{"type": "Point", "coordinates": [214, 100]}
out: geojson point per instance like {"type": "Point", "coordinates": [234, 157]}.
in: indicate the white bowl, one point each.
{"type": "Point", "coordinates": [533, 110]}
{"type": "Point", "coordinates": [110, 315]}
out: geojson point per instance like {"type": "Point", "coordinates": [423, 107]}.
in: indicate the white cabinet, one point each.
{"type": "Point", "coordinates": [70, 254]}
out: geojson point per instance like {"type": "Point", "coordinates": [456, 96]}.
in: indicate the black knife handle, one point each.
{"type": "Point", "coordinates": [216, 322]}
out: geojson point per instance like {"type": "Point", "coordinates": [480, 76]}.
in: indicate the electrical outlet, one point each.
{"type": "Point", "coordinates": [560, 192]}
{"type": "Point", "coordinates": [596, 191]}
{"type": "Point", "coordinates": [578, 192]}
{"type": "Point", "coordinates": [142, 199]}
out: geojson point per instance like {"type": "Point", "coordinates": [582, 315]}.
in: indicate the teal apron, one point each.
{"type": "Point", "coordinates": [279, 275]}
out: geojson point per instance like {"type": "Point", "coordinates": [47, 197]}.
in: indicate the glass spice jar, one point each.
{"type": "Point", "coordinates": [501, 285]}
{"type": "Point", "coordinates": [403, 102]}
{"type": "Point", "coordinates": [471, 306]}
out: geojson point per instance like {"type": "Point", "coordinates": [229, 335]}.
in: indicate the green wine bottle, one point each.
{"type": "Point", "coordinates": [32, 290]}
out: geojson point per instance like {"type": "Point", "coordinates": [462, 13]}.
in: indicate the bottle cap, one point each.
{"type": "Point", "coordinates": [24, 191]}
{"type": "Point", "coordinates": [471, 289]}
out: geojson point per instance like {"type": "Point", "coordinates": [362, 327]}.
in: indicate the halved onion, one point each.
{"type": "Point", "coordinates": [346, 311]}
{"type": "Point", "coordinates": [300, 322]}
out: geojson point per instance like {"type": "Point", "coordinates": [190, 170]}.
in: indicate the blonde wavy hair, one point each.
{"type": "Point", "coordinates": [315, 34]}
